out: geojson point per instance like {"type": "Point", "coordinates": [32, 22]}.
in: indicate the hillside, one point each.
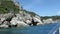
{"type": "Point", "coordinates": [10, 6]}
{"type": "Point", "coordinates": [13, 15]}
{"type": "Point", "coordinates": [52, 17]}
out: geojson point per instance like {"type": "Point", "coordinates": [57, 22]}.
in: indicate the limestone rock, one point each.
{"type": "Point", "coordinates": [3, 26]}
{"type": "Point", "coordinates": [37, 19]}
{"type": "Point", "coordinates": [14, 21]}
{"type": "Point", "coordinates": [19, 23]}
{"type": "Point", "coordinates": [2, 19]}
{"type": "Point", "coordinates": [48, 21]}
{"type": "Point", "coordinates": [6, 23]}
{"type": "Point", "coordinates": [28, 22]}
{"type": "Point", "coordinates": [0, 22]}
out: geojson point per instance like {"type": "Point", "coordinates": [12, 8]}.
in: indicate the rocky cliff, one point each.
{"type": "Point", "coordinates": [13, 15]}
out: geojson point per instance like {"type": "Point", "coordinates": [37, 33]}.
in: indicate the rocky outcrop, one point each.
{"type": "Point", "coordinates": [5, 19]}
{"type": "Point", "coordinates": [15, 19]}
{"type": "Point", "coordinates": [0, 22]}
{"type": "Point", "coordinates": [21, 24]}
{"type": "Point", "coordinates": [21, 19]}
{"type": "Point", "coordinates": [28, 22]}
{"type": "Point", "coordinates": [48, 21]}
{"type": "Point", "coordinates": [38, 20]}
{"type": "Point", "coordinates": [3, 26]}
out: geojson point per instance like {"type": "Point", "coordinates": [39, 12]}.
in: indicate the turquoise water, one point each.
{"type": "Point", "coordinates": [42, 29]}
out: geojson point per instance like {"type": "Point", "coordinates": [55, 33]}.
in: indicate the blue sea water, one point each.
{"type": "Point", "coordinates": [41, 29]}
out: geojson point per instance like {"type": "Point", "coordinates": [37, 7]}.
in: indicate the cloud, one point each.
{"type": "Point", "coordinates": [58, 12]}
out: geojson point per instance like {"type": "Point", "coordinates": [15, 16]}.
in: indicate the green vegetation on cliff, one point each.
{"type": "Point", "coordinates": [53, 17]}
{"type": "Point", "coordinates": [8, 6]}
{"type": "Point", "coordinates": [31, 13]}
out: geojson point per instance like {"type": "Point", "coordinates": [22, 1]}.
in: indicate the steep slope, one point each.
{"type": "Point", "coordinates": [13, 15]}
{"type": "Point", "coordinates": [10, 6]}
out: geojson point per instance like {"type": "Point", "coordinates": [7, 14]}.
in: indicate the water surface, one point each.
{"type": "Point", "coordinates": [42, 29]}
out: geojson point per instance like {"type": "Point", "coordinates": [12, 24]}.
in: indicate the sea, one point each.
{"type": "Point", "coordinates": [41, 29]}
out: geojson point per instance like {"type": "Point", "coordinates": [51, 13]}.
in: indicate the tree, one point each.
{"type": "Point", "coordinates": [8, 6]}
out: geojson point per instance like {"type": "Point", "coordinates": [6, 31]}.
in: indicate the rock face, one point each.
{"type": "Point", "coordinates": [48, 21]}
{"type": "Point", "coordinates": [4, 26]}
{"type": "Point", "coordinates": [21, 19]}
{"type": "Point", "coordinates": [0, 22]}
{"type": "Point", "coordinates": [16, 21]}
{"type": "Point", "coordinates": [28, 22]}
{"type": "Point", "coordinates": [21, 24]}
{"type": "Point", "coordinates": [5, 19]}
{"type": "Point", "coordinates": [38, 20]}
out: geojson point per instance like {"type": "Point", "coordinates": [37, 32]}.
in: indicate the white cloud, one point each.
{"type": "Point", "coordinates": [58, 12]}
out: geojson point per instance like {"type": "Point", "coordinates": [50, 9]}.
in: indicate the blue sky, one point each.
{"type": "Point", "coordinates": [42, 7]}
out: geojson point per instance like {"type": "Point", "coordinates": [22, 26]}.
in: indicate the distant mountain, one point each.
{"type": "Point", "coordinates": [52, 17]}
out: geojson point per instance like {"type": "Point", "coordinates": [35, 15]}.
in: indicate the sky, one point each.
{"type": "Point", "coordinates": [41, 7]}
